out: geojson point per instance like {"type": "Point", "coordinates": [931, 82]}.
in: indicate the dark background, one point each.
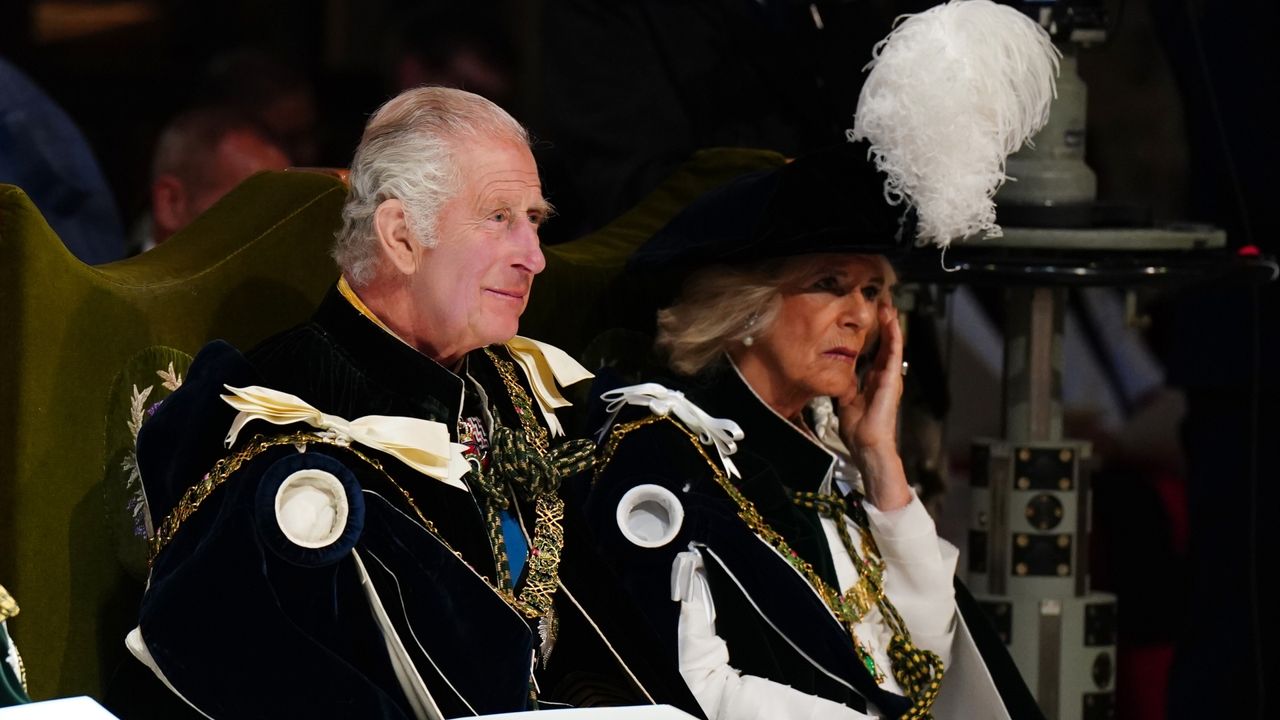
{"type": "Point", "coordinates": [1181, 121]}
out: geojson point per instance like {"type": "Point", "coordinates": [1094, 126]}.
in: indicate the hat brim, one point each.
{"type": "Point", "coordinates": [833, 202]}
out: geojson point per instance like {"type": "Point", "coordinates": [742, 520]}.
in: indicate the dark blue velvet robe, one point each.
{"type": "Point", "coordinates": [800, 644]}
{"type": "Point", "coordinates": [245, 624]}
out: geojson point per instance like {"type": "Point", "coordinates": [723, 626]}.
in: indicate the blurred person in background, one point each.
{"type": "Point", "coordinates": [44, 153]}
{"type": "Point", "coordinates": [202, 154]}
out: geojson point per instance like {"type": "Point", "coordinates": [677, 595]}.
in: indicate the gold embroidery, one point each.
{"type": "Point", "coordinates": [227, 466]}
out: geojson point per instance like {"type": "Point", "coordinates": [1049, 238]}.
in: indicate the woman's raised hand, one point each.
{"type": "Point", "coordinates": [869, 419]}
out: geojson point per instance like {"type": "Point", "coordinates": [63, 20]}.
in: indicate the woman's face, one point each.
{"type": "Point", "coordinates": [828, 317]}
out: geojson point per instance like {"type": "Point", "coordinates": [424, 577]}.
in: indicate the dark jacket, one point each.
{"type": "Point", "coordinates": [775, 625]}
{"type": "Point", "coordinates": [244, 623]}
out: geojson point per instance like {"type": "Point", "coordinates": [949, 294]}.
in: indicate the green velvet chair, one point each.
{"type": "Point", "coordinates": [82, 344]}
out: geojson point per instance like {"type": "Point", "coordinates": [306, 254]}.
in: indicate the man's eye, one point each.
{"type": "Point", "coordinates": [500, 216]}
{"type": "Point", "coordinates": [871, 292]}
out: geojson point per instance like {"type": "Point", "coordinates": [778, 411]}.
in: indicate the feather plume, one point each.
{"type": "Point", "coordinates": [951, 93]}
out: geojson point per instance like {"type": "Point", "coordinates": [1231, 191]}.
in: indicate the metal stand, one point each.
{"type": "Point", "coordinates": [1029, 521]}
{"type": "Point", "coordinates": [1029, 529]}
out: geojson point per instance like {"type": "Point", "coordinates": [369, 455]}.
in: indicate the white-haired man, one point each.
{"type": "Point", "coordinates": [380, 533]}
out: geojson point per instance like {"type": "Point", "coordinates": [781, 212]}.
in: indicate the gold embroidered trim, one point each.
{"type": "Point", "coordinates": [227, 466]}
{"type": "Point", "coordinates": [534, 602]}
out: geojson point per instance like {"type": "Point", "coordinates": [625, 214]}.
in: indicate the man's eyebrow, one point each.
{"type": "Point", "coordinates": [544, 209]}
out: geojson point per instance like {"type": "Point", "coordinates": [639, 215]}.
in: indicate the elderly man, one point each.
{"type": "Point", "coordinates": [360, 517]}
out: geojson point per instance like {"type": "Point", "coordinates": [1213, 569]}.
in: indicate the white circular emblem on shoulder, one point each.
{"type": "Point", "coordinates": [311, 508]}
{"type": "Point", "coordinates": [650, 515]}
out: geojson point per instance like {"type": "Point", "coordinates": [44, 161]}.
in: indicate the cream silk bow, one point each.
{"type": "Point", "coordinates": [421, 444]}
{"type": "Point", "coordinates": [547, 366]}
{"type": "Point", "coordinates": [662, 400]}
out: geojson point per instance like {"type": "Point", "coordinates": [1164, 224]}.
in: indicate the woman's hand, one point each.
{"type": "Point", "coordinates": [869, 420]}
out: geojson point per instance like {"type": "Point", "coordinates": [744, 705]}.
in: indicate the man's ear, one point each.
{"type": "Point", "coordinates": [397, 242]}
{"type": "Point", "coordinates": [168, 207]}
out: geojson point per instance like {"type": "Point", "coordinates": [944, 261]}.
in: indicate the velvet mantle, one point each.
{"type": "Point", "coordinates": [244, 625]}
{"type": "Point", "coordinates": [809, 650]}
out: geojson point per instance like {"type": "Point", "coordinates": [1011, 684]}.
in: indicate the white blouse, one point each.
{"type": "Point", "coordinates": [918, 570]}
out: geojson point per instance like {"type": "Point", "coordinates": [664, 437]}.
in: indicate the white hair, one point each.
{"type": "Point", "coordinates": [409, 151]}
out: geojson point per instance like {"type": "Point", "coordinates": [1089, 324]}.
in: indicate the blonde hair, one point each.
{"type": "Point", "coordinates": [722, 305]}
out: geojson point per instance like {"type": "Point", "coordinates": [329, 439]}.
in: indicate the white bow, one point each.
{"type": "Point", "coordinates": [547, 366]}
{"type": "Point", "coordinates": [664, 401]}
{"type": "Point", "coordinates": [421, 444]}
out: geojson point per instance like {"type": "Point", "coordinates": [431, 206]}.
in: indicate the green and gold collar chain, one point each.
{"type": "Point", "coordinates": [868, 590]}
{"type": "Point", "coordinates": [918, 672]}
{"type": "Point", "coordinates": [526, 462]}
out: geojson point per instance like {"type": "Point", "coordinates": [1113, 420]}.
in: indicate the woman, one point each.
{"type": "Point", "coordinates": [755, 506]}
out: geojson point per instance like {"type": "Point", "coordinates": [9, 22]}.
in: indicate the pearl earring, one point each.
{"type": "Point", "coordinates": [749, 339]}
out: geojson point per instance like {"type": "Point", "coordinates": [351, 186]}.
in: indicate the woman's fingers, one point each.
{"type": "Point", "coordinates": [869, 415]}
{"type": "Point", "coordinates": [884, 383]}
{"type": "Point", "coordinates": [889, 359]}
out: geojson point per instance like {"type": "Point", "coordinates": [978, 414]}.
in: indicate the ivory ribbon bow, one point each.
{"type": "Point", "coordinates": [662, 400]}
{"type": "Point", "coordinates": [421, 444]}
{"type": "Point", "coordinates": [547, 366]}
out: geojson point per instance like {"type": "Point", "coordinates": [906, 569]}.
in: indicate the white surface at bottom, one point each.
{"type": "Point", "coordinates": [74, 708]}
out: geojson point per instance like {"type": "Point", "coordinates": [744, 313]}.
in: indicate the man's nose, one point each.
{"type": "Point", "coordinates": [531, 257]}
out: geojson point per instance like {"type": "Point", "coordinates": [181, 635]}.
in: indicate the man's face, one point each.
{"type": "Point", "coordinates": [470, 289]}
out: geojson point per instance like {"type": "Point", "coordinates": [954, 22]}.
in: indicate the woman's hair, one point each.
{"type": "Point", "coordinates": [722, 305]}
{"type": "Point", "coordinates": [409, 151]}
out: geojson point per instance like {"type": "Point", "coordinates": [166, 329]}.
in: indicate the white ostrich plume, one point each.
{"type": "Point", "coordinates": [952, 92]}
